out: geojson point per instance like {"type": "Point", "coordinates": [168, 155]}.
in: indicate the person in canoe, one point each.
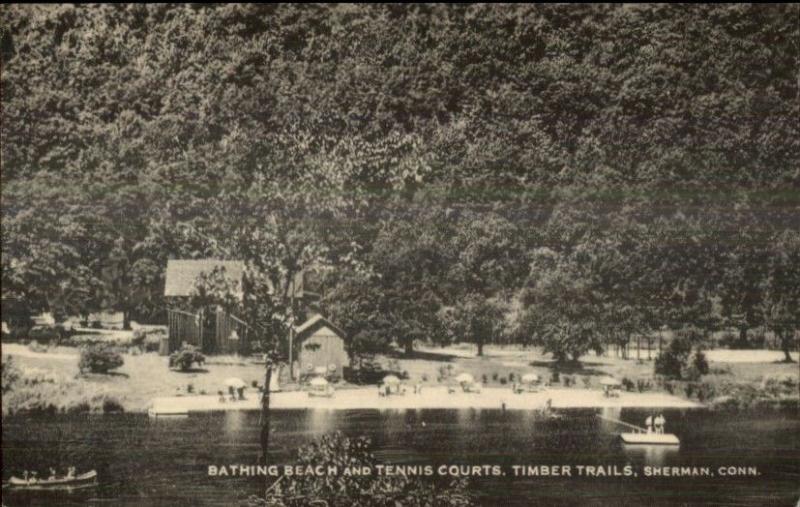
{"type": "Point", "coordinates": [71, 480]}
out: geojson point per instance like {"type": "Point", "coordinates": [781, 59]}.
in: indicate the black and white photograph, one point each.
{"type": "Point", "coordinates": [400, 255]}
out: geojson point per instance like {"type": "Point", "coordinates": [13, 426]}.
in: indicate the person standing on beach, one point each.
{"type": "Point", "coordinates": [649, 423]}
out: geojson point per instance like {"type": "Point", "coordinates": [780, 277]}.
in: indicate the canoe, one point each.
{"type": "Point", "coordinates": [79, 481]}
{"type": "Point", "coordinates": [650, 438]}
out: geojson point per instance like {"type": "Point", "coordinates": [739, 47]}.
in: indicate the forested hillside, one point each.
{"type": "Point", "coordinates": [568, 175]}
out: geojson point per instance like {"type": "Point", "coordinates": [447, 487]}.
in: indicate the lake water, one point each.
{"type": "Point", "coordinates": [143, 461]}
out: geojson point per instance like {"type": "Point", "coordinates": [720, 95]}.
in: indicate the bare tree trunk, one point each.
{"type": "Point", "coordinates": [265, 417]}
{"type": "Point", "coordinates": [126, 320]}
{"type": "Point", "coordinates": [786, 345]}
{"type": "Point", "coordinates": [409, 346]}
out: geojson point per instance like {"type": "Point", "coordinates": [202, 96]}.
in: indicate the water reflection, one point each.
{"type": "Point", "coordinates": [608, 419]}
{"type": "Point", "coordinates": [654, 455]}
{"type": "Point", "coordinates": [320, 421]}
{"type": "Point", "coordinates": [234, 422]}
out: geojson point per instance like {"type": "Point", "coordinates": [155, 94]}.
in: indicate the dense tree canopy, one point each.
{"type": "Point", "coordinates": [424, 155]}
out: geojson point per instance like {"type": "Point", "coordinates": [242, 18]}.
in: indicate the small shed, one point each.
{"type": "Point", "coordinates": [320, 344]}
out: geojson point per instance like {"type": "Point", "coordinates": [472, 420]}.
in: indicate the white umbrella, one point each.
{"type": "Point", "coordinates": [318, 381]}
{"type": "Point", "coordinates": [391, 379]}
{"type": "Point", "coordinates": [610, 381]}
{"type": "Point", "coordinates": [465, 378]}
{"type": "Point", "coordinates": [530, 378]}
{"type": "Point", "coordinates": [235, 382]}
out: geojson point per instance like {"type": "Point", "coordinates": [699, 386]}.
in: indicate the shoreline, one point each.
{"type": "Point", "coordinates": [50, 382]}
{"type": "Point", "coordinates": [431, 398]}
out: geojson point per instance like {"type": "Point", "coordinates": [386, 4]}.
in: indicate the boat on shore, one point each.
{"type": "Point", "coordinates": [84, 480]}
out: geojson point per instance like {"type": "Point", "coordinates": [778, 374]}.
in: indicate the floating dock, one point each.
{"type": "Point", "coordinates": [650, 438]}
{"type": "Point", "coordinates": [640, 436]}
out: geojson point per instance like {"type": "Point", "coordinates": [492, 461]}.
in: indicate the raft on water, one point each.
{"type": "Point", "coordinates": [642, 436]}
{"type": "Point", "coordinates": [650, 438]}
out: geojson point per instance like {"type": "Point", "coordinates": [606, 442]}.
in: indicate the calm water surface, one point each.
{"type": "Point", "coordinates": [143, 461]}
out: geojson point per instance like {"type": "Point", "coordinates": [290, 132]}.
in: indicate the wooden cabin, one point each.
{"type": "Point", "coordinates": [211, 329]}
{"type": "Point", "coordinates": [319, 344]}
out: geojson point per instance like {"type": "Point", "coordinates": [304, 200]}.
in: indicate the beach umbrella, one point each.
{"type": "Point", "coordinates": [530, 378]}
{"type": "Point", "coordinates": [235, 382]}
{"type": "Point", "coordinates": [318, 381]}
{"type": "Point", "coordinates": [465, 378]}
{"type": "Point", "coordinates": [391, 379]}
{"type": "Point", "coordinates": [610, 381]}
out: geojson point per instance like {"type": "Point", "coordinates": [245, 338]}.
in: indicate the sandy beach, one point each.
{"type": "Point", "coordinates": [145, 381]}
{"type": "Point", "coordinates": [430, 398]}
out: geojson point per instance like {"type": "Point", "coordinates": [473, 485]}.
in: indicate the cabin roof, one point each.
{"type": "Point", "coordinates": [308, 327]}
{"type": "Point", "coordinates": [182, 274]}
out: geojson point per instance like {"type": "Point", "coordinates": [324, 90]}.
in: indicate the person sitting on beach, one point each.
{"type": "Point", "coordinates": [221, 396]}
{"type": "Point", "coordinates": [648, 423]}
{"type": "Point", "coordinates": [33, 479]}
{"type": "Point", "coordinates": [70, 472]}
{"type": "Point", "coordinates": [52, 473]}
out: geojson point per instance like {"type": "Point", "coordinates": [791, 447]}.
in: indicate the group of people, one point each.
{"type": "Point", "coordinates": [32, 477]}
{"type": "Point", "coordinates": [387, 389]}
{"type": "Point", "coordinates": [655, 424]}
{"type": "Point", "coordinates": [234, 394]}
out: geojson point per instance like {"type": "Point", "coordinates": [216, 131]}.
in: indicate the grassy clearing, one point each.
{"type": "Point", "coordinates": [142, 377]}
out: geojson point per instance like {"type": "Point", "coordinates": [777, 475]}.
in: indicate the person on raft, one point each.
{"type": "Point", "coordinates": [660, 422]}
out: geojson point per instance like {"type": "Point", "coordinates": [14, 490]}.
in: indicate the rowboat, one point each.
{"type": "Point", "coordinates": [84, 480]}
